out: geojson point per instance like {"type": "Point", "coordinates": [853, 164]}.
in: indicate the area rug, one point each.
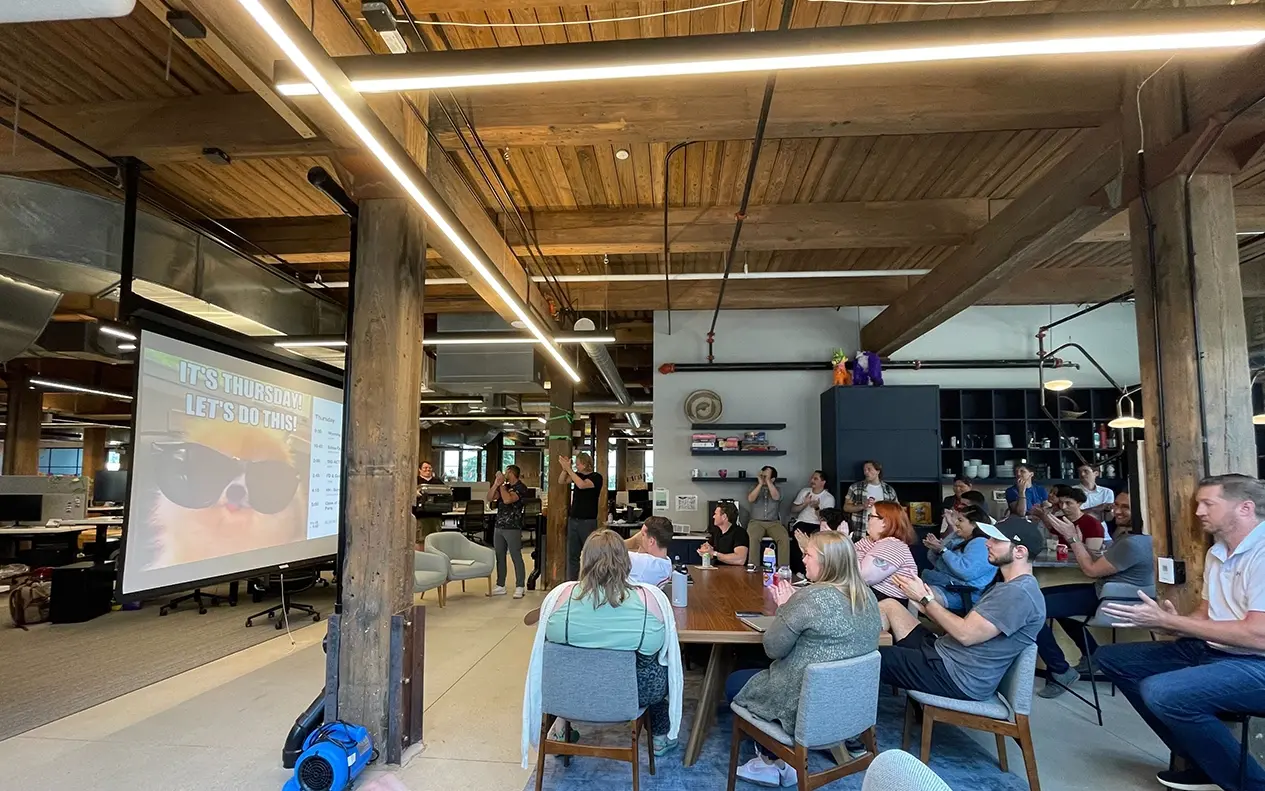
{"type": "Point", "coordinates": [55, 670]}
{"type": "Point", "coordinates": [958, 759]}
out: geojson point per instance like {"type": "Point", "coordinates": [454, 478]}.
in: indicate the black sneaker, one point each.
{"type": "Point", "coordinates": [1187, 780]}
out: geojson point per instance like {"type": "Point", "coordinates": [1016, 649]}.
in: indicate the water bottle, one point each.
{"type": "Point", "coordinates": [680, 584]}
{"type": "Point", "coordinates": [784, 573]}
{"type": "Point", "coordinates": [769, 562]}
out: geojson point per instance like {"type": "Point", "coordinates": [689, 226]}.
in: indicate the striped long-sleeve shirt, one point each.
{"type": "Point", "coordinates": [881, 560]}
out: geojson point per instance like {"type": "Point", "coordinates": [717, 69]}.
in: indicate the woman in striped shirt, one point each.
{"type": "Point", "coordinates": [884, 551]}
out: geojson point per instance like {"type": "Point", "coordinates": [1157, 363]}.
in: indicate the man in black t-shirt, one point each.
{"type": "Point", "coordinates": [586, 485]}
{"type": "Point", "coordinates": [429, 523]}
{"type": "Point", "coordinates": [726, 540]}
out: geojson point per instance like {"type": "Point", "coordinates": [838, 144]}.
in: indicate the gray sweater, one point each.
{"type": "Point", "coordinates": [816, 625]}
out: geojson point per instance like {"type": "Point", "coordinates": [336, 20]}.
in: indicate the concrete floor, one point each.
{"type": "Point", "coordinates": [221, 726]}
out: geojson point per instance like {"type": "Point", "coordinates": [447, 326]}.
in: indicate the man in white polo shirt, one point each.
{"type": "Point", "coordinates": [1217, 665]}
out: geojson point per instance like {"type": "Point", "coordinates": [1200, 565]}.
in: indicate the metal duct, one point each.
{"type": "Point", "coordinates": [28, 309]}
{"type": "Point", "coordinates": [69, 240]}
{"type": "Point", "coordinates": [591, 407]}
{"type": "Point", "coordinates": [606, 367]}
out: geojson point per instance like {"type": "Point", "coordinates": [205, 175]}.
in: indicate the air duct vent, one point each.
{"type": "Point", "coordinates": [28, 309]}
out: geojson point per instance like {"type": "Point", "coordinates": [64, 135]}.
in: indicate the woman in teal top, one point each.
{"type": "Point", "coordinates": [603, 610]}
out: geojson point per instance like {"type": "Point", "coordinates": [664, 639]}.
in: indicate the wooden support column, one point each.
{"type": "Point", "coordinates": [601, 460]}
{"type": "Point", "coordinates": [1192, 338]}
{"type": "Point", "coordinates": [93, 452]}
{"type": "Point", "coordinates": [561, 400]}
{"type": "Point", "coordinates": [24, 413]}
{"type": "Point", "coordinates": [383, 387]}
{"type": "Point", "coordinates": [621, 466]}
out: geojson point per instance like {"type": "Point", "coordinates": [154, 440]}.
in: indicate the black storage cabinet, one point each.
{"type": "Point", "coordinates": [897, 426]}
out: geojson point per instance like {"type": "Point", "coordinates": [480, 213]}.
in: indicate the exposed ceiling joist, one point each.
{"type": "Point", "coordinates": [157, 131]}
{"type": "Point", "coordinates": [1065, 204]}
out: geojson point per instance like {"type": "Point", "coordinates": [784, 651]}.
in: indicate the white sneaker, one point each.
{"type": "Point", "coordinates": [761, 773]}
{"type": "Point", "coordinates": [786, 773]}
{"type": "Point", "coordinates": [519, 593]}
{"type": "Point", "coordinates": [499, 590]}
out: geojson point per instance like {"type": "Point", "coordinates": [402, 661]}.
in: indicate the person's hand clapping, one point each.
{"type": "Point", "coordinates": [931, 542]}
{"type": "Point", "coordinates": [1150, 614]}
{"type": "Point", "coordinates": [565, 462]}
{"type": "Point", "coordinates": [869, 502]}
{"type": "Point", "coordinates": [782, 591]}
{"type": "Point", "coordinates": [1065, 529]}
{"type": "Point", "coordinates": [801, 538]}
{"type": "Point", "coordinates": [912, 587]}
{"type": "Point", "coordinates": [706, 548]}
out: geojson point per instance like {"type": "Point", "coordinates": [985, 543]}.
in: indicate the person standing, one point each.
{"type": "Point", "coordinates": [1025, 493]}
{"type": "Point", "coordinates": [1099, 500]}
{"type": "Point", "coordinates": [766, 518]}
{"type": "Point", "coordinates": [806, 509]}
{"type": "Point", "coordinates": [586, 485]}
{"type": "Point", "coordinates": [426, 525]}
{"type": "Point", "coordinates": [1217, 664]}
{"type": "Point", "coordinates": [863, 494]}
{"type": "Point", "coordinates": [510, 492]}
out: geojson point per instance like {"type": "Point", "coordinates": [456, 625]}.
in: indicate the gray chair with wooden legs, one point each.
{"type": "Point", "coordinates": [838, 700]}
{"type": "Point", "coordinates": [466, 559]}
{"type": "Point", "coordinates": [897, 770]}
{"type": "Point", "coordinates": [430, 571]}
{"type": "Point", "coordinates": [590, 685]}
{"type": "Point", "coordinates": [1004, 714]}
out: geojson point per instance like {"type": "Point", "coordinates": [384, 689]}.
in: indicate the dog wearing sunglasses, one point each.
{"type": "Point", "coordinates": [237, 511]}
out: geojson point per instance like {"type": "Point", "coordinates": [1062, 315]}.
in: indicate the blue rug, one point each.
{"type": "Point", "coordinates": [958, 759]}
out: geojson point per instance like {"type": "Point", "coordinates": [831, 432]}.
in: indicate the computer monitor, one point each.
{"type": "Point", "coordinates": [109, 487]}
{"type": "Point", "coordinates": [21, 508]}
{"type": "Point", "coordinates": [639, 496]}
{"type": "Point", "coordinates": [461, 494]}
{"type": "Point", "coordinates": [621, 497]}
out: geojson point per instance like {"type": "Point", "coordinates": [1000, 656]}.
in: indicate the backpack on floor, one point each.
{"type": "Point", "coordinates": [29, 599]}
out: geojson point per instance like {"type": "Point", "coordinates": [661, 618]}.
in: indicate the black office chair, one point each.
{"type": "Point", "coordinates": [473, 521]}
{"type": "Point", "coordinates": [531, 518]}
{"type": "Point", "coordinates": [288, 584]}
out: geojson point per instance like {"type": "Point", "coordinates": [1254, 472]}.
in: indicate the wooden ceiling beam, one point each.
{"type": "Point", "coordinates": [808, 226]}
{"type": "Point", "coordinates": [1090, 186]}
{"type": "Point", "coordinates": [900, 100]}
{"type": "Point", "coordinates": [157, 131]}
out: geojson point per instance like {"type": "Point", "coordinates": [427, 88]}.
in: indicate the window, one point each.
{"type": "Point", "coordinates": [113, 461]}
{"type": "Point", "coordinates": [508, 457]}
{"type": "Point", "coordinates": [610, 470]}
{"type": "Point", "coordinates": [465, 466]}
{"type": "Point", "coordinates": [452, 465]}
{"type": "Point", "coordinates": [471, 461]}
{"type": "Point", "coordinates": [649, 467]}
{"type": "Point", "coordinates": [61, 461]}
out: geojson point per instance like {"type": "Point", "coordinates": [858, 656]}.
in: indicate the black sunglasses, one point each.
{"type": "Point", "coordinates": [193, 475]}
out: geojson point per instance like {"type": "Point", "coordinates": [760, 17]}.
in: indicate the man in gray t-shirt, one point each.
{"type": "Point", "coordinates": [977, 649]}
{"type": "Point", "coordinates": [1129, 559]}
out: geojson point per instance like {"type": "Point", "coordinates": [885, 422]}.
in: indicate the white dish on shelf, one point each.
{"type": "Point", "coordinates": [983, 470]}
{"type": "Point", "coordinates": [1003, 441]}
{"type": "Point", "coordinates": [970, 470]}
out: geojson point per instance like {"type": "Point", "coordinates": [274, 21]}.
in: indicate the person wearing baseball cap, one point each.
{"type": "Point", "coordinates": [976, 650]}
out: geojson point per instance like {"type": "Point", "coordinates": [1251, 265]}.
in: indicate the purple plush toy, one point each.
{"type": "Point", "coordinates": [867, 370]}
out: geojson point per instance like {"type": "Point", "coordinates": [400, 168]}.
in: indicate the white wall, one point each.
{"type": "Point", "coordinates": [979, 333]}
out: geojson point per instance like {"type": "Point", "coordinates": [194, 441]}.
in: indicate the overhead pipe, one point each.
{"type": "Point", "coordinates": [606, 367]}
{"type": "Point", "coordinates": [591, 407]}
{"type": "Point", "coordinates": [888, 365]}
{"type": "Point", "coordinates": [761, 124]}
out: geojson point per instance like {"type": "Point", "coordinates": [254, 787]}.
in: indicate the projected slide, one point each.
{"type": "Point", "coordinates": [235, 467]}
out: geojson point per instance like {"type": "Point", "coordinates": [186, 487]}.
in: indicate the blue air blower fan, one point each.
{"type": "Point", "coordinates": [333, 757]}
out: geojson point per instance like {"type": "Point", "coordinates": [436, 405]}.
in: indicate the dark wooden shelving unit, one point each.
{"type": "Point", "coordinates": [737, 426]}
{"type": "Point", "coordinates": [694, 452]}
{"type": "Point", "coordinates": [986, 413]}
{"type": "Point", "coordinates": [733, 479]}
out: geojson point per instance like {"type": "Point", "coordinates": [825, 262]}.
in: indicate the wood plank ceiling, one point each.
{"type": "Point", "coordinates": [957, 133]}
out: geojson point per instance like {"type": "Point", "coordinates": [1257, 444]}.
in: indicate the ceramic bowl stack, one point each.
{"type": "Point", "coordinates": [1002, 441]}
{"type": "Point", "coordinates": [982, 471]}
{"type": "Point", "coordinates": [970, 470]}
{"type": "Point", "coordinates": [1006, 470]}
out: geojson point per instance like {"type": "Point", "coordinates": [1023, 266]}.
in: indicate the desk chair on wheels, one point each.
{"type": "Point", "coordinates": [299, 581]}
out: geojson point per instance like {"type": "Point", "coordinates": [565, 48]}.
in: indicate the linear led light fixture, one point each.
{"type": "Point", "coordinates": [1153, 30]}
{"type": "Point", "coordinates": [465, 401]}
{"type": "Point", "coordinates": [281, 24]}
{"type": "Point", "coordinates": [795, 274]}
{"type": "Point", "coordinates": [454, 339]}
{"type": "Point", "coordinates": [116, 332]}
{"type": "Point", "coordinates": [50, 384]}
{"type": "Point", "coordinates": [502, 418]}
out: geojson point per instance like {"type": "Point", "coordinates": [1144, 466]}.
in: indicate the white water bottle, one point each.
{"type": "Point", "coordinates": [769, 563]}
{"type": "Point", "coordinates": [680, 585]}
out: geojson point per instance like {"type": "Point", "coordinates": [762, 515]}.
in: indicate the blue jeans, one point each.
{"type": "Point", "coordinates": [1062, 601]}
{"type": "Point", "coordinates": [1179, 688]}
{"type": "Point", "coordinates": [736, 681]}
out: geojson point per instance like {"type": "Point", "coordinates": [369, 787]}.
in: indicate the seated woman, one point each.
{"type": "Point", "coordinates": [884, 551]}
{"type": "Point", "coordinates": [605, 609]}
{"type": "Point", "coordinates": [960, 560]}
{"type": "Point", "coordinates": [836, 617]}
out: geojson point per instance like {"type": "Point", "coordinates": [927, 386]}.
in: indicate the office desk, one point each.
{"type": "Point", "coordinates": [55, 546]}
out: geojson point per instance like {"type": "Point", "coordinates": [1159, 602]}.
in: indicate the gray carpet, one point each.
{"type": "Point", "coordinates": [53, 671]}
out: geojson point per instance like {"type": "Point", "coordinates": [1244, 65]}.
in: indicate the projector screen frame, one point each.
{"type": "Point", "coordinates": [250, 349]}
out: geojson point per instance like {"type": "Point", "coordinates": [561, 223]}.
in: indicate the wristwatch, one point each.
{"type": "Point", "coordinates": [1073, 540]}
{"type": "Point", "coordinates": [925, 600]}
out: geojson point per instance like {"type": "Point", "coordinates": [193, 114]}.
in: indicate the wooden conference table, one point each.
{"type": "Point", "coordinates": [708, 618]}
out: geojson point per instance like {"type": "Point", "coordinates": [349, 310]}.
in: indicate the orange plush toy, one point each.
{"type": "Point", "coordinates": [843, 376]}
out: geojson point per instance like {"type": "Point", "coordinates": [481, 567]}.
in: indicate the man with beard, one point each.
{"type": "Point", "coordinates": [969, 660]}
